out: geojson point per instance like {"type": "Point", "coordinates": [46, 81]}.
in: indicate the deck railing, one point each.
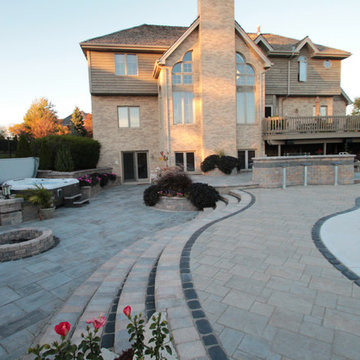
{"type": "Point", "coordinates": [310, 124]}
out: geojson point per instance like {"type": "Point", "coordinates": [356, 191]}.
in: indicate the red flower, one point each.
{"type": "Point", "coordinates": [98, 322]}
{"type": "Point", "coordinates": [127, 311]}
{"type": "Point", "coordinates": [62, 328]}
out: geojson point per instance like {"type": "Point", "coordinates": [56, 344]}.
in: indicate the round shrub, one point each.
{"type": "Point", "coordinates": [174, 179]}
{"type": "Point", "coordinates": [151, 195]}
{"type": "Point", "coordinates": [209, 163]}
{"type": "Point", "coordinates": [203, 195]}
{"type": "Point", "coordinates": [227, 163]}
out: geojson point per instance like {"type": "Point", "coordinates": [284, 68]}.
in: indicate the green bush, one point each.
{"type": "Point", "coordinates": [203, 195]}
{"type": "Point", "coordinates": [23, 147]}
{"type": "Point", "coordinates": [151, 195]}
{"type": "Point", "coordinates": [63, 160]}
{"type": "Point", "coordinates": [45, 156]}
{"type": "Point", "coordinates": [224, 163]}
{"type": "Point", "coordinates": [84, 151]}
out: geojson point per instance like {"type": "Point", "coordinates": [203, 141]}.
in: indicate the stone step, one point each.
{"type": "Point", "coordinates": [230, 199]}
{"type": "Point", "coordinates": [81, 202]}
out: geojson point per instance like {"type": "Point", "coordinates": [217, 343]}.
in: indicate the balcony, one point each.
{"type": "Point", "coordinates": [311, 127]}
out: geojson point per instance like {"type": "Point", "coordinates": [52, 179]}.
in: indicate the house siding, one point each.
{"type": "Point", "coordinates": [104, 81]}
{"type": "Point", "coordinates": [320, 81]}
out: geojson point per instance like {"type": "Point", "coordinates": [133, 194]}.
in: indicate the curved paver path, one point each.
{"type": "Point", "coordinates": [267, 290]}
{"type": "Point", "coordinates": [33, 289]}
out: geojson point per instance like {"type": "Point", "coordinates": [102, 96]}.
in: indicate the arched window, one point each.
{"type": "Point", "coordinates": [302, 68]}
{"type": "Point", "coordinates": [183, 97]}
{"type": "Point", "coordinates": [245, 91]}
{"type": "Point", "coordinates": [182, 71]}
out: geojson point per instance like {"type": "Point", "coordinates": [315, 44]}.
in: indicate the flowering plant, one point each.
{"type": "Point", "coordinates": [93, 179]}
{"type": "Point", "coordinates": [89, 348]}
{"type": "Point", "coordinates": [164, 157]}
{"type": "Point", "coordinates": [159, 332]}
{"type": "Point", "coordinates": [171, 193]}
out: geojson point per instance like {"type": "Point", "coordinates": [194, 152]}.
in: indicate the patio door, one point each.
{"type": "Point", "coordinates": [135, 165]}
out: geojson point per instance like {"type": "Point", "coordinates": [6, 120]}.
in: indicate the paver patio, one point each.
{"type": "Point", "coordinates": [266, 289]}
{"type": "Point", "coordinates": [33, 289]}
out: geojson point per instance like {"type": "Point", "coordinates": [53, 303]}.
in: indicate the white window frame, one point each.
{"type": "Point", "coordinates": [184, 121]}
{"type": "Point", "coordinates": [126, 71]}
{"type": "Point", "coordinates": [185, 164]}
{"type": "Point", "coordinates": [130, 124]}
{"type": "Point", "coordinates": [302, 69]}
{"type": "Point", "coordinates": [183, 73]}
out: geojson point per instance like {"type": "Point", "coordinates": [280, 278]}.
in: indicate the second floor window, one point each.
{"type": "Point", "coordinates": [126, 64]}
{"type": "Point", "coordinates": [183, 107]}
{"type": "Point", "coordinates": [129, 116]}
{"type": "Point", "coordinates": [245, 92]}
{"type": "Point", "coordinates": [302, 68]}
{"type": "Point", "coordinates": [182, 71]}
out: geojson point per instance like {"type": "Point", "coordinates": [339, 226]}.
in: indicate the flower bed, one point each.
{"type": "Point", "coordinates": [173, 190]}
{"type": "Point", "coordinates": [92, 184]}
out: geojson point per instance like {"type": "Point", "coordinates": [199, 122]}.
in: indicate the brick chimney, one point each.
{"type": "Point", "coordinates": [217, 75]}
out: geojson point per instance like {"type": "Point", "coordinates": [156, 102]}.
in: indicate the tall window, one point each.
{"type": "Point", "coordinates": [129, 116]}
{"type": "Point", "coordinates": [302, 68]}
{"type": "Point", "coordinates": [126, 64]}
{"type": "Point", "coordinates": [183, 107]}
{"type": "Point", "coordinates": [245, 92]}
{"type": "Point", "coordinates": [183, 96]}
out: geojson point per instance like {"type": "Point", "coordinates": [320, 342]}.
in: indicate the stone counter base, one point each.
{"type": "Point", "coordinates": [268, 172]}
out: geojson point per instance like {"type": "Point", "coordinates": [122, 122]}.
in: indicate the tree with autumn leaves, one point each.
{"type": "Point", "coordinates": [40, 120]}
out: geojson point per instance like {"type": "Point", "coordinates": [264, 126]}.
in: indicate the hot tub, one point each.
{"type": "Point", "coordinates": [59, 187]}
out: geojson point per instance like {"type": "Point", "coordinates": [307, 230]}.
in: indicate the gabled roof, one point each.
{"type": "Point", "coordinates": [285, 45]}
{"type": "Point", "coordinates": [250, 43]}
{"type": "Point", "coordinates": [66, 121]}
{"type": "Point", "coordinates": [162, 37]}
{"type": "Point", "coordinates": [141, 36]}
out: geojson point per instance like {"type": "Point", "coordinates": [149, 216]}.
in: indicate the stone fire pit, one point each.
{"type": "Point", "coordinates": [20, 243]}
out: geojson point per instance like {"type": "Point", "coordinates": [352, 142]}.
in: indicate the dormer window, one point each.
{"type": "Point", "coordinates": [302, 68]}
{"type": "Point", "coordinates": [126, 64]}
{"type": "Point", "coordinates": [182, 71]}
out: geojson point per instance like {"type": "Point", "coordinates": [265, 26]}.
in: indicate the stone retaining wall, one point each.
{"type": "Point", "coordinates": [268, 171]}
{"type": "Point", "coordinates": [175, 204]}
{"type": "Point", "coordinates": [50, 174]}
{"type": "Point", "coordinates": [10, 211]}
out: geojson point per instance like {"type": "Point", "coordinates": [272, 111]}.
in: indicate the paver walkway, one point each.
{"type": "Point", "coordinates": [33, 289]}
{"type": "Point", "coordinates": [267, 290]}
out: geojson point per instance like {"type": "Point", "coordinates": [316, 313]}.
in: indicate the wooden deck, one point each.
{"type": "Point", "coordinates": [282, 128]}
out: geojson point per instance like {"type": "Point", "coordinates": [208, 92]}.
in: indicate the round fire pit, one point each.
{"type": "Point", "coordinates": [20, 243]}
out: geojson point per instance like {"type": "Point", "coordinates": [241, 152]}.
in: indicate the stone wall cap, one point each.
{"type": "Point", "coordinates": [10, 201]}
{"type": "Point", "coordinates": [286, 158]}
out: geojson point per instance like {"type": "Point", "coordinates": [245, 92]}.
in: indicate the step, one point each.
{"type": "Point", "coordinates": [81, 202]}
{"type": "Point", "coordinates": [73, 197]}
{"type": "Point", "coordinates": [230, 199]}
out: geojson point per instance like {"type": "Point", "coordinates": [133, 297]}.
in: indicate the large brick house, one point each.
{"type": "Point", "coordinates": [193, 91]}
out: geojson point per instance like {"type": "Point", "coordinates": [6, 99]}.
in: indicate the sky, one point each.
{"type": "Point", "coordinates": [40, 54]}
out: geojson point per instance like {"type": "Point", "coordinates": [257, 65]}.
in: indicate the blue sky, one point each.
{"type": "Point", "coordinates": [41, 56]}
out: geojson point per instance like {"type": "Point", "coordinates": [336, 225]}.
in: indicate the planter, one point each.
{"type": "Point", "coordinates": [175, 204]}
{"type": "Point", "coordinates": [46, 213]}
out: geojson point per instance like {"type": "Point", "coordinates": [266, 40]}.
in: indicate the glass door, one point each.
{"type": "Point", "coordinates": [135, 165]}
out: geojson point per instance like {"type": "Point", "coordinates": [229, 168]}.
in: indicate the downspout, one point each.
{"type": "Point", "coordinates": [168, 115]}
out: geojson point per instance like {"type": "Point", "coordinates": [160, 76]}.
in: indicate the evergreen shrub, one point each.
{"type": "Point", "coordinates": [152, 195]}
{"type": "Point", "coordinates": [84, 151]}
{"type": "Point", "coordinates": [224, 163]}
{"type": "Point", "coordinates": [23, 147]}
{"type": "Point", "coordinates": [63, 160]}
{"type": "Point", "coordinates": [203, 195]}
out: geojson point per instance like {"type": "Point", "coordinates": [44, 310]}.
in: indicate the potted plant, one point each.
{"type": "Point", "coordinates": [43, 199]}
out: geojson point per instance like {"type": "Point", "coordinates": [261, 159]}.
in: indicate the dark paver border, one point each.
{"type": "Point", "coordinates": [329, 256]}
{"type": "Point", "coordinates": [204, 328]}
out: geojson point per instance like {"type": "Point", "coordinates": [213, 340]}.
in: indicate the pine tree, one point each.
{"type": "Point", "coordinates": [64, 161]}
{"type": "Point", "coordinates": [78, 123]}
{"type": "Point", "coordinates": [23, 147]}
